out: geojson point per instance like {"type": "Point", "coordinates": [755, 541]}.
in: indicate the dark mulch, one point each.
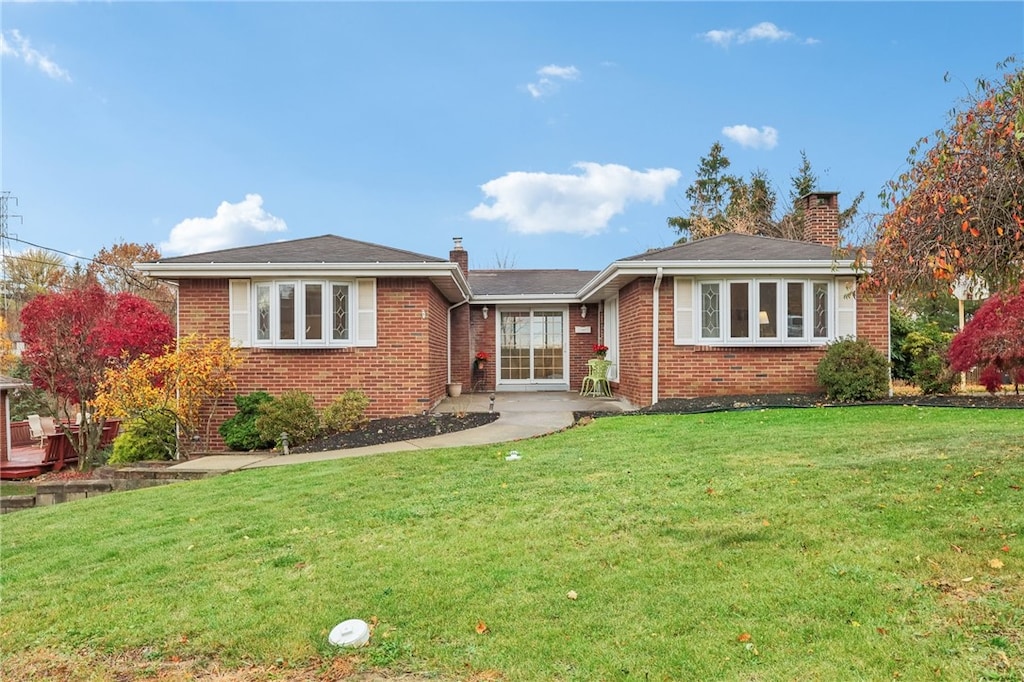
{"type": "Point", "coordinates": [390, 430]}
{"type": "Point", "coordinates": [379, 431]}
{"type": "Point", "coordinates": [757, 402]}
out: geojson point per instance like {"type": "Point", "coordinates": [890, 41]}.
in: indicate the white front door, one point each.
{"type": "Point", "coordinates": [532, 348]}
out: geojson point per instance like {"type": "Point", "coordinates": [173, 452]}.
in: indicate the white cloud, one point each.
{"type": "Point", "coordinates": [538, 203]}
{"type": "Point", "coordinates": [722, 38]}
{"type": "Point", "coordinates": [551, 78]}
{"type": "Point", "coordinates": [766, 30]}
{"type": "Point", "coordinates": [13, 44]}
{"type": "Point", "coordinates": [748, 136]}
{"type": "Point", "coordinates": [569, 73]}
{"type": "Point", "coordinates": [233, 225]}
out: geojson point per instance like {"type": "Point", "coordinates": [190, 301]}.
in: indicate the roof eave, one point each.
{"type": "Point", "coordinates": [713, 268]}
{"type": "Point", "coordinates": [439, 273]}
{"type": "Point", "coordinates": [522, 299]}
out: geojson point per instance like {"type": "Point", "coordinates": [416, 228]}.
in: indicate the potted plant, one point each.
{"type": "Point", "coordinates": [480, 361]}
{"type": "Point", "coordinates": [600, 350]}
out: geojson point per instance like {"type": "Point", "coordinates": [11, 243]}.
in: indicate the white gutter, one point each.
{"type": "Point", "coordinates": [712, 268]}
{"type": "Point", "coordinates": [248, 270]}
{"type": "Point", "coordinates": [524, 299]}
{"type": "Point", "coordinates": [654, 354]}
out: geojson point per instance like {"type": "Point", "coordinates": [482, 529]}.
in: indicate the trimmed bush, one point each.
{"type": "Point", "coordinates": [293, 413]}
{"type": "Point", "coordinates": [346, 412]}
{"type": "Point", "coordinates": [853, 370]}
{"type": "Point", "coordinates": [146, 438]}
{"type": "Point", "coordinates": [240, 432]}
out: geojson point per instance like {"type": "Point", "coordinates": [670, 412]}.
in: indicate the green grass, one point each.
{"type": "Point", "coordinates": [11, 488]}
{"type": "Point", "coordinates": [849, 544]}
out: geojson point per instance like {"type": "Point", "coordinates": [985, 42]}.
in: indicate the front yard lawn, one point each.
{"type": "Point", "coordinates": [810, 544]}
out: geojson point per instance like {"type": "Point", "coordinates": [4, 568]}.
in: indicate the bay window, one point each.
{"type": "Point", "coordinates": [306, 313]}
{"type": "Point", "coordinates": [764, 311]}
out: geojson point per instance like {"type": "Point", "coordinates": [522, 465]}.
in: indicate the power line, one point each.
{"type": "Point", "coordinates": [5, 198]}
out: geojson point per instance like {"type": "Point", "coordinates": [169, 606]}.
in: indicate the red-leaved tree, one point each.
{"type": "Point", "coordinates": [994, 341]}
{"type": "Point", "coordinates": [70, 340]}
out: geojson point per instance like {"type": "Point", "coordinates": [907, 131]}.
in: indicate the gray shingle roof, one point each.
{"type": "Point", "coordinates": [528, 282]}
{"type": "Point", "coordinates": [734, 246]}
{"type": "Point", "coordinates": [328, 248]}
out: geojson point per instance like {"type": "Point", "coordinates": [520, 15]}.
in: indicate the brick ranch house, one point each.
{"type": "Point", "coordinates": [730, 314]}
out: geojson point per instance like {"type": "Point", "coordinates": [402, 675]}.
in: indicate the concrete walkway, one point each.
{"type": "Point", "coordinates": [522, 415]}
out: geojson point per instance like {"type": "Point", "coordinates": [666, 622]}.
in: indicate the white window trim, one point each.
{"type": "Point", "coordinates": [361, 314]}
{"type": "Point", "coordinates": [842, 317]}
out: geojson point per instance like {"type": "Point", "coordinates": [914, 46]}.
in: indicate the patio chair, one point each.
{"type": "Point", "coordinates": [596, 382]}
{"type": "Point", "coordinates": [41, 428]}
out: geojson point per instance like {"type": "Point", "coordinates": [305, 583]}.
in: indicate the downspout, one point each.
{"type": "Point", "coordinates": [654, 339]}
{"type": "Point", "coordinates": [450, 309]}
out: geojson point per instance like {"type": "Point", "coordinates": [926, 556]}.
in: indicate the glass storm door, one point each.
{"type": "Point", "coordinates": [532, 347]}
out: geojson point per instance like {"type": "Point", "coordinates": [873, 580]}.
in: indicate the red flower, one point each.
{"type": "Point", "coordinates": [481, 355]}
{"type": "Point", "coordinates": [600, 348]}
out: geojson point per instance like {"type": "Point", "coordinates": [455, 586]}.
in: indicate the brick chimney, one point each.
{"type": "Point", "coordinates": [459, 255]}
{"type": "Point", "coordinates": [821, 217]}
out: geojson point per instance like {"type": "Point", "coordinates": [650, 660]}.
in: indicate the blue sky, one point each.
{"type": "Point", "coordinates": [546, 135]}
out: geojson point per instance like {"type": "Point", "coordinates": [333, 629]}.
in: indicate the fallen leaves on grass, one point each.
{"type": "Point", "coordinates": [481, 628]}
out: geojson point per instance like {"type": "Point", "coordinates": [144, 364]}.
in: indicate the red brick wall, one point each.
{"type": "Point", "coordinates": [873, 321]}
{"type": "Point", "coordinates": [461, 346]}
{"type": "Point", "coordinates": [482, 337]}
{"type": "Point", "coordinates": [635, 355]}
{"type": "Point", "coordinates": [691, 371]}
{"type": "Point", "coordinates": [581, 346]}
{"type": "Point", "coordinates": [404, 374]}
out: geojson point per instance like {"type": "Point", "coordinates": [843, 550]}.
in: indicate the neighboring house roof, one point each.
{"type": "Point", "coordinates": [327, 248]}
{"type": "Point", "coordinates": [7, 382]}
{"type": "Point", "coordinates": [512, 285]}
{"type": "Point", "coordinates": [324, 256]}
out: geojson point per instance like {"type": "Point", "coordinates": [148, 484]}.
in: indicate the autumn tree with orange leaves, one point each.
{"type": "Point", "coordinates": [183, 383]}
{"type": "Point", "coordinates": [958, 212]}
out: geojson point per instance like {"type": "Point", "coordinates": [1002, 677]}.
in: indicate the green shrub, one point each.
{"type": "Point", "coordinates": [148, 437]}
{"type": "Point", "coordinates": [853, 370]}
{"type": "Point", "coordinates": [933, 375]}
{"type": "Point", "coordinates": [347, 412]}
{"type": "Point", "coordinates": [293, 413]}
{"type": "Point", "coordinates": [926, 347]}
{"type": "Point", "coordinates": [240, 432]}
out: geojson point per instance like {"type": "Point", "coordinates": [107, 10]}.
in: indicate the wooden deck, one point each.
{"type": "Point", "coordinates": [28, 460]}
{"type": "Point", "coordinates": [24, 461]}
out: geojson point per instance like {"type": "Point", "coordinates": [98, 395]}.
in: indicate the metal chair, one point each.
{"type": "Point", "coordinates": [596, 382]}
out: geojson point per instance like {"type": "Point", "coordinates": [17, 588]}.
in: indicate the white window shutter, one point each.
{"type": "Point", "coordinates": [239, 328]}
{"type": "Point", "coordinates": [684, 311]}
{"type": "Point", "coordinates": [366, 312]}
{"type": "Point", "coordinates": [846, 307]}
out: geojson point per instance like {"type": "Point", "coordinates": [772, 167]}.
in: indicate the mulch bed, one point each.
{"type": "Point", "coordinates": [756, 402]}
{"type": "Point", "coordinates": [390, 430]}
